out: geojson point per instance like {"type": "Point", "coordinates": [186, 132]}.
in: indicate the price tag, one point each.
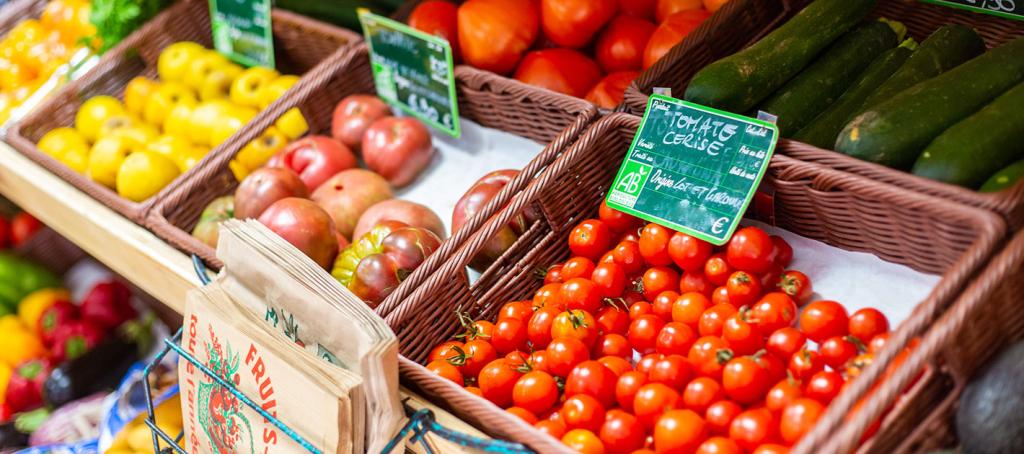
{"type": "Point", "coordinates": [413, 70]}
{"type": "Point", "coordinates": [1010, 9]}
{"type": "Point", "coordinates": [241, 31]}
{"type": "Point", "coordinates": [693, 168]}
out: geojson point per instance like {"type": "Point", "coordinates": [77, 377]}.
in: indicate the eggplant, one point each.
{"type": "Point", "coordinates": [11, 437]}
{"type": "Point", "coordinates": [99, 369]}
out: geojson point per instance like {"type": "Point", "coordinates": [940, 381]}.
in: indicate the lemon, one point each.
{"type": "Point", "coordinates": [59, 141]}
{"type": "Point", "coordinates": [143, 174]}
{"type": "Point", "coordinates": [94, 112]}
{"type": "Point", "coordinates": [292, 123]}
{"type": "Point", "coordinates": [106, 158]}
{"type": "Point", "coordinates": [201, 67]}
{"type": "Point", "coordinates": [174, 60]}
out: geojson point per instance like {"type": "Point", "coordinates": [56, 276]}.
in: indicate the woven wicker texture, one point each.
{"type": "Point", "coordinates": [843, 210]}
{"type": "Point", "coordinates": [300, 44]}
{"type": "Point", "coordinates": [697, 51]}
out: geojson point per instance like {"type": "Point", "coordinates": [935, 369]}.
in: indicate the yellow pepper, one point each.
{"type": "Point", "coordinates": [5, 377]}
{"type": "Point", "coordinates": [17, 343]}
{"type": "Point", "coordinates": [32, 306]}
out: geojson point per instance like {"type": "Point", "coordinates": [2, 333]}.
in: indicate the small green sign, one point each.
{"type": "Point", "coordinates": [413, 70]}
{"type": "Point", "coordinates": [693, 168]}
{"type": "Point", "coordinates": [241, 31]}
{"type": "Point", "coordinates": [1010, 9]}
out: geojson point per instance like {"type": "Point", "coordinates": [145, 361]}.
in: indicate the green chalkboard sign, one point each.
{"type": "Point", "coordinates": [1010, 9]}
{"type": "Point", "coordinates": [693, 168]}
{"type": "Point", "coordinates": [241, 31]}
{"type": "Point", "coordinates": [413, 70]}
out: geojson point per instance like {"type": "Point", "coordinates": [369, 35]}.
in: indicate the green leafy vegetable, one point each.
{"type": "Point", "coordinates": [116, 19]}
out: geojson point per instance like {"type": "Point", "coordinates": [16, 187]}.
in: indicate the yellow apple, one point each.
{"type": "Point", "coordinates": [59, 141]}
{"type": "Point", "coordinates": [76, 159]}
{"type": "Point", "coordinates": [139, 133]}
{"type": "Point", "coordinates": [257, 152]}
{"type": "Point", "coordinates": [168, 145]}
{"type": "Point", "coordinates": [217, 84]}
{"type": "Point", "coordinates": [235, 118]}
{"type": "Point", "coordinates": [189, 157]}
{"type": "Point", "coordinates": [174, 60]}
{"type": "Point", "coordinates": [143, 174]}
{"type": "Point", "coordinates": [270, 92]}
{"type": "Point", "coordinates": [292, 124]}
{"type": "Point", "coordinates": [238, 169]}
{"type": "Point", "coordinates": [136, 92]}
{"type": "Point", "coordinates": [105, 159]}
{"type": "Point", "coordinates": [94, 112]}
{"type": "Point", "coordinates": [164, 99]}
{"type": "Point", "coordinates": [204, 116]}
{"type": "Point", "coordinates": [178, 121]}
{"type": "Point", "coordinates": [201, 67]}
{"type": "Point", "coordinates": [113, 123]}
{"type": "Point", "coordinates": [246, 88]}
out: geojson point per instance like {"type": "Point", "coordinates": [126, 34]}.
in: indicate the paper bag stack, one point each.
{"type": "Point", "coordinates": [296, 343]}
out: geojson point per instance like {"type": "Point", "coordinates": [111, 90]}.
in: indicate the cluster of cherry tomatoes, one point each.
{"type": "Point", "coordinates": [651, 339]}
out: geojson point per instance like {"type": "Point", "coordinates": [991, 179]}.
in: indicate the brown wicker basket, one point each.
{"type": "Point", "coordinates": [921, 19]}
{"type": "Point", "coordinates": [300, 44]}
{"type": "Point", "coordinates": [16, 11]}
{"type": "Point", "coordinates": [843, 210]}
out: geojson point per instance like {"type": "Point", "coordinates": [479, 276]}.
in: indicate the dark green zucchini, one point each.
{"type": "Point", "coordinates": [895, 132]}
{"type": "Point", "coordinates": [1004, 178]}
{"type": "Point", "coordinates": [823, 130]}
{"type": "Point", "coordinates": [820, 84]}
{"type": "Point", "coordinates": [944, 49]}
{"type": "Point", "coordinates": [738, 82]}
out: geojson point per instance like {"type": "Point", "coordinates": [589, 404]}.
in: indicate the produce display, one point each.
{"type": "Point", "coordinates": [846, 85]}
{"type": "Point", "coordinates": [589, 49]}
{"type": "Point", "coordinates": [648, 338]}
{"type": "Point", "coordinates": [159, 129]}
{"type": "Point", "coordinates": [136, 438]}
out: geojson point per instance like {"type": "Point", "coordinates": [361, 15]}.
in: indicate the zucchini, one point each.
{"type": "Point", "coordinates": [972, 150]}
{"type": "Point", "coordinates": [895, 132]}
{"type": "Point", "coordinates": [738, 82]}
{"type": "Point", "coordinates": [823, 130]}
{"type": "Point", "coordinates": [1004, 178]}
{"type": "Point", "coordinates": [944, 49]}
{"type": "Point", "coordinates": [820, 84]}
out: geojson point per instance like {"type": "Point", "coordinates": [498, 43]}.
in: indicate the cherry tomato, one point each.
{"type": "Point", "coordinates": [640, 308]}
{"type": "Point", "coordinates": [652, 400]}
{"type": "Point", "coordinates": [582, 411]}
{"type": "Point", "coordinates": [612, 320]}
{"type": "Point", "coordinates": [607, 258]}
{"type": "Point", "coordinates": [564, 354]}
{"type": "Point", "coordinates": [509, 335]}
{"type": "Point", "coordinates": [719, 416]}
{"type": "Point", "coordinates": [689, 307]}
{"type": "Point", "coordinates": [824, 386]}
{"type": "Point", "coordinates": [708, 355]}
{"type": "Point", "coordinates": [553, 275]}
{"type": "Point", "coordinates": [743, 288]}
{"type": "Point", "coordinates": [612, 345]}
{"type": "Point", "coordinates": [836, 351]}
{"type": "Point", "coordinates": [805, 363]}
{"type": "Point", "coordinates": [662, 304]}
{"type": "Point", "coordinates": [770, 279]}
{"type": "Point", "coordinates": [776, 367]}
{"type": "Point", "coordinates": [858, 364]}
{"type": "Point", "coordinates": [647, 361]}
{"type": "Point", "coordinates": [494, 34]}
{"type": "Point", "coordinates": [672, 370]}
{"type": "Point", "coordinates": [552, 428]}
{"type": "Point", "coordinates": [654, 244]}
{"type": "Point", "coordinates": [535, 391]}
{"type": "Point", "coordinates": [671, 32]}
{"type": "Point", "coordinates": [631, 235]}
{"type": "Point", "coordinates": [742, 337]}
{"type": "Point", "coordinates": [446, 370]}
{"type": "Point", "coordinates": [774, 311]}
{"type": "Point", "coordinates": [687, 252]}
{"type": "Point", "coordinates": [437, 17]}
{"type": "Point", "coordinates": [627, 386]}
{"type": "Point", "coordinates": [750, 249]}
{"type": "Point", "coordinates": [610, 279]}
{"type": "Point", "coordinates": [523, 414]}
{"type": "Point", "coordinates": [700, 393]}
{"type": "Point", "coordinates": [784, 342]}
{"type": "Point", "coordinates": [617, 364]}
{"type": "Point", "coordinates": [497, 380]}
{"type": "Point", "coordinates": [478, 353]}
{"type": "Point", "coordinates": [798, 418]}
{"type": "Point", "coordinates": [475, 391]}
{"type": "Point", "coordinates": [480, 329]}
{"type": "Point", "coordinates": [695, 281]}
{"type": "Point", "coordinates": [539, 360]}
{"type": "Point", "coordinates": [573, 23]}
{"type": "Point", "coordinates": [590, 238]}
{"type": "Point", "coordinates": [549, 295]}
{"type": "Point", "coordinates": [867, 323]}
{"type": "Point", "coordinates": [771, 448]}
{"type": "Point", "coordinates": [521, 310]}
{"type": "Point", "coordinates": [712, 320]}
{"type": "Point", "coordinates": [576, 324]}
{"type": "Point", "coordinates": [594, 379]}
{"type": "Point", "coordinates": [538, 329]}
{"type": "Point", "coordinates": [752, 428]}
{"type": "Point", "coordinates": [783, 393]}
{"type": "Point", "coordinates": [675, 338]}
{"type": "Point", "coordinates": [679, 431]}
{"type": "Point", "coordinates": [582, 294]}
{"type": "Point", "coordinates": [627, 255]}
{"type": "Point", "coordinates": [620, 46]}
{"type": "Point", "coordinates": [717, 269]}
{"type": "Point", "coordinates": [519, 359]}
{"type": "Point", "coordinates": [878, 342]}
{"type": "Point", "coordinates": [643, 332]}
{"type": "Point", "coordinates": [744, 380]}
{"type": "Point", "coordinates": [446, 350]}
{"type": "Point", "coordinates": [659, 279]}
{"type": "Point", "coordinates": [577, 267]}
{"type": "Point", "coordinates": [719, 445]}
{"type": "Point", "coordinates": [720, 295]}
{"type": "Point", "coordinates": [622, 432]}
{"type": "Point", "coordinates": [617, 220]}
{"type": "Point", "coordinates": [783, 251]}
{"type": "Point", "coordinates": [797, 285]}
{"type": "Point", "coordinates": [583, 441]}
{"type": "Point", "coordinates": [821, 320]}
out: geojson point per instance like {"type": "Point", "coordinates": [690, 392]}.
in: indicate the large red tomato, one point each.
{"type": "Point", "coordinates": [671, 32]}
{"type": "Point", "coordinates": [439, 18]}
{"type": "Point", "coordinates": [572, 23]}
{"type": "Point", "coordinates": [666, 8]}
{"type": "Point", "coordinates": [620, 46]}
{"type": "Point", "coordinates": [561, 70]}
{"type": "Point", "coordinates": [608, 93]}
{"type": "Point", "coordinates": [493, 34]}
{"type": "Point", "coordinates": [638, 8]}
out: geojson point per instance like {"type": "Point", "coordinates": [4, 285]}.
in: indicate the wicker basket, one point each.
{"type": "Point", "coordinates": [810, 200]}
{"type": "Point", "coordinates": [12, 13]}
{"type": "Point", "coordinates": [921, 19]}
{"type": "Point", "coordinates": [300, 44]}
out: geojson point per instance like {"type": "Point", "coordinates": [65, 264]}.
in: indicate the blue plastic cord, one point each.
{"type": "Point", "coordinates": [200, 267]}
{"type": "Point", "coordinates": [422, 422]}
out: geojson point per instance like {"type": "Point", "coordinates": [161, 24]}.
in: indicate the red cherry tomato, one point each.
{"type": "Point", "coordinates": [784, 342]}
{"type": "Point", "coordinates": [717, 269]}
{"type": "Point", "coordinates": [797, 285]}
{"type": "Point", "coordinates": [675, 339]}
{"type": "Point", "coordinates": [659, 279]}
{"type": "Point", "coordinates": [564, 354]}
{"type": "Point", "coordinates": [613, 320]}
{"type": "Point", "coordinates": [689, 307]}
{"type": "Point", "coordinates": [671, 32]}
{"type": "Point", "coordinates": [23, 227]}
{"type": "Point", "coordinates": [771, 448]}
{"type": "Point", "coordinates": [536, 392]}
{"type": "Point", "coordinates": [622, 432]}
{"type": "Point", "coordinates": [553, 275]}
{"type": "Point", "coordinates": [446, 350]}
{"type": "Point", "coordinates": [438, 18]}
{"type": "Point", "coordinates": [627, 255]}
{"type": "Point", "coordinates": [783, 393]}
{"type": "Point", "coordinates": [582, 411]}
{"type": "Point", "coordinates": [672, 370]}
{"type": "Point", "coordinates": [539, 360]}
{"type": "Point", "coordinates": [867, 323]}
{"type": "Point", "coordinates": [548, 295]}
{"type": "Point", "coordinates": [610, 91]}
{"type": "Point", "coordinates": [523, 414]}
{"type": "Point", "coordinates": [521, 310]}
{"type": "Point", "coordinates": [878, 342]}
{"type": "Point", "coordinates": [776, 367]}
{"type": "Point", "coordinates": [743, 288]}
{"type": "Point", "coordinates": [824, 386]}
{"type": "Point", "coordinates": [708, 355]}
{"type": "Point", "coordinates": [494, 34]}
{"type": "Point", "coordinates": [752, 428]}
{"type": "Point", "coordinates": [821, 320]}
{"type": "Point", "coordinates": [617, 364]}
{"type": "Point", "coordinates": [583, 441]}
{"type": "Point", "coordinates": [700, 393]}
{"type": "Point", "coordinates": [774, 311]}
{"type": "Point", "coordinates": [509, 335]}
{"type": "Point", "coordinates": [576, 324]}
{"type": "Point", "coordinates": [750, 249]}
{"type": "Point", "coordinates": [805, 363]}
{"type": "Point", "coordinates": [836, 351]}
{"type": "Point", "coordinates": [610, 279]}
{"type": "Point", "coordinates": [538, 329]}
{"type": "Point", "coordinates": [679, 431]}
{"type": "Point", "coordinates": [446, 370]}
{"type": "Point", "coordinates": [647, 361]}
{"type": "Point", "coordinates": [857, 364]}
{"type": "Point", "coordinates": [617, 220]}
{"type": "Point", "coordinates": [695, 281]}
{"type": "Point", "coordinates": [577, 267]}
{"type": "Point", "coordinates": [719, 445]}
{"type": "Point", "coordinates": [627, 386]}
{"type": "Point", "coordinates": [594, 379]}
{"type": "Point", "coordinates": [497, 380]}
{"type": "Point", "coordinates": [662, 304]}
{"type": "Point", "coordinates": [688, 252]}
{"type": "Point", "coordinates": [720, 296]}
{"type": "Point", "coordinates": [783, 251]}
{"type": "Point", "coordinates": [745, 381]}
{"type": "Point", "coordinates": [580, 293]}
{"type": "Point", "coordinates": [552, 428]}
{"type": "Point", "coordinates": [712, 320]}
{"type": "Point", "coordinates": [719, 416]}
{"type": "Point", "coordinates": [478, 353]}
{"type": "Point", "coordinates": [770, 279]}
{"type": "Point", "coordinates": [742, 336]}
{"type": "Point", "coordinates": [652, 400]}
{"type": "Point", "coordinates": [654, 244]}
{"type": "Point", "coordinates": [640, 308]}
{"type": "Point", "coordinates": [590, 238]}
{"type": "Point", "coordinates": [612, 345]}
{"type": "Point", "coordinates": [620, 46]}
{"type": "Point", "coordinates": [573, 23]}
{"type": "Point", "coordinates": [643, 332]}
{"type": "Point", "coordinates": [560, 70]}
{"type": "Point", "coordinates": [798, 418]}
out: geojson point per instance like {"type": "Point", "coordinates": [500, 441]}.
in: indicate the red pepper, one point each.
{"type": "Point", "coordinates": [108, 304]}
{"type": "Point", "coordinates": [57, 315]}
{"type": "Point", "coordinates": [74, 338]}
{"type": "Point", "coordinates": [25, 388]}
{"type": "Point", "coordinates": [5, 412]}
